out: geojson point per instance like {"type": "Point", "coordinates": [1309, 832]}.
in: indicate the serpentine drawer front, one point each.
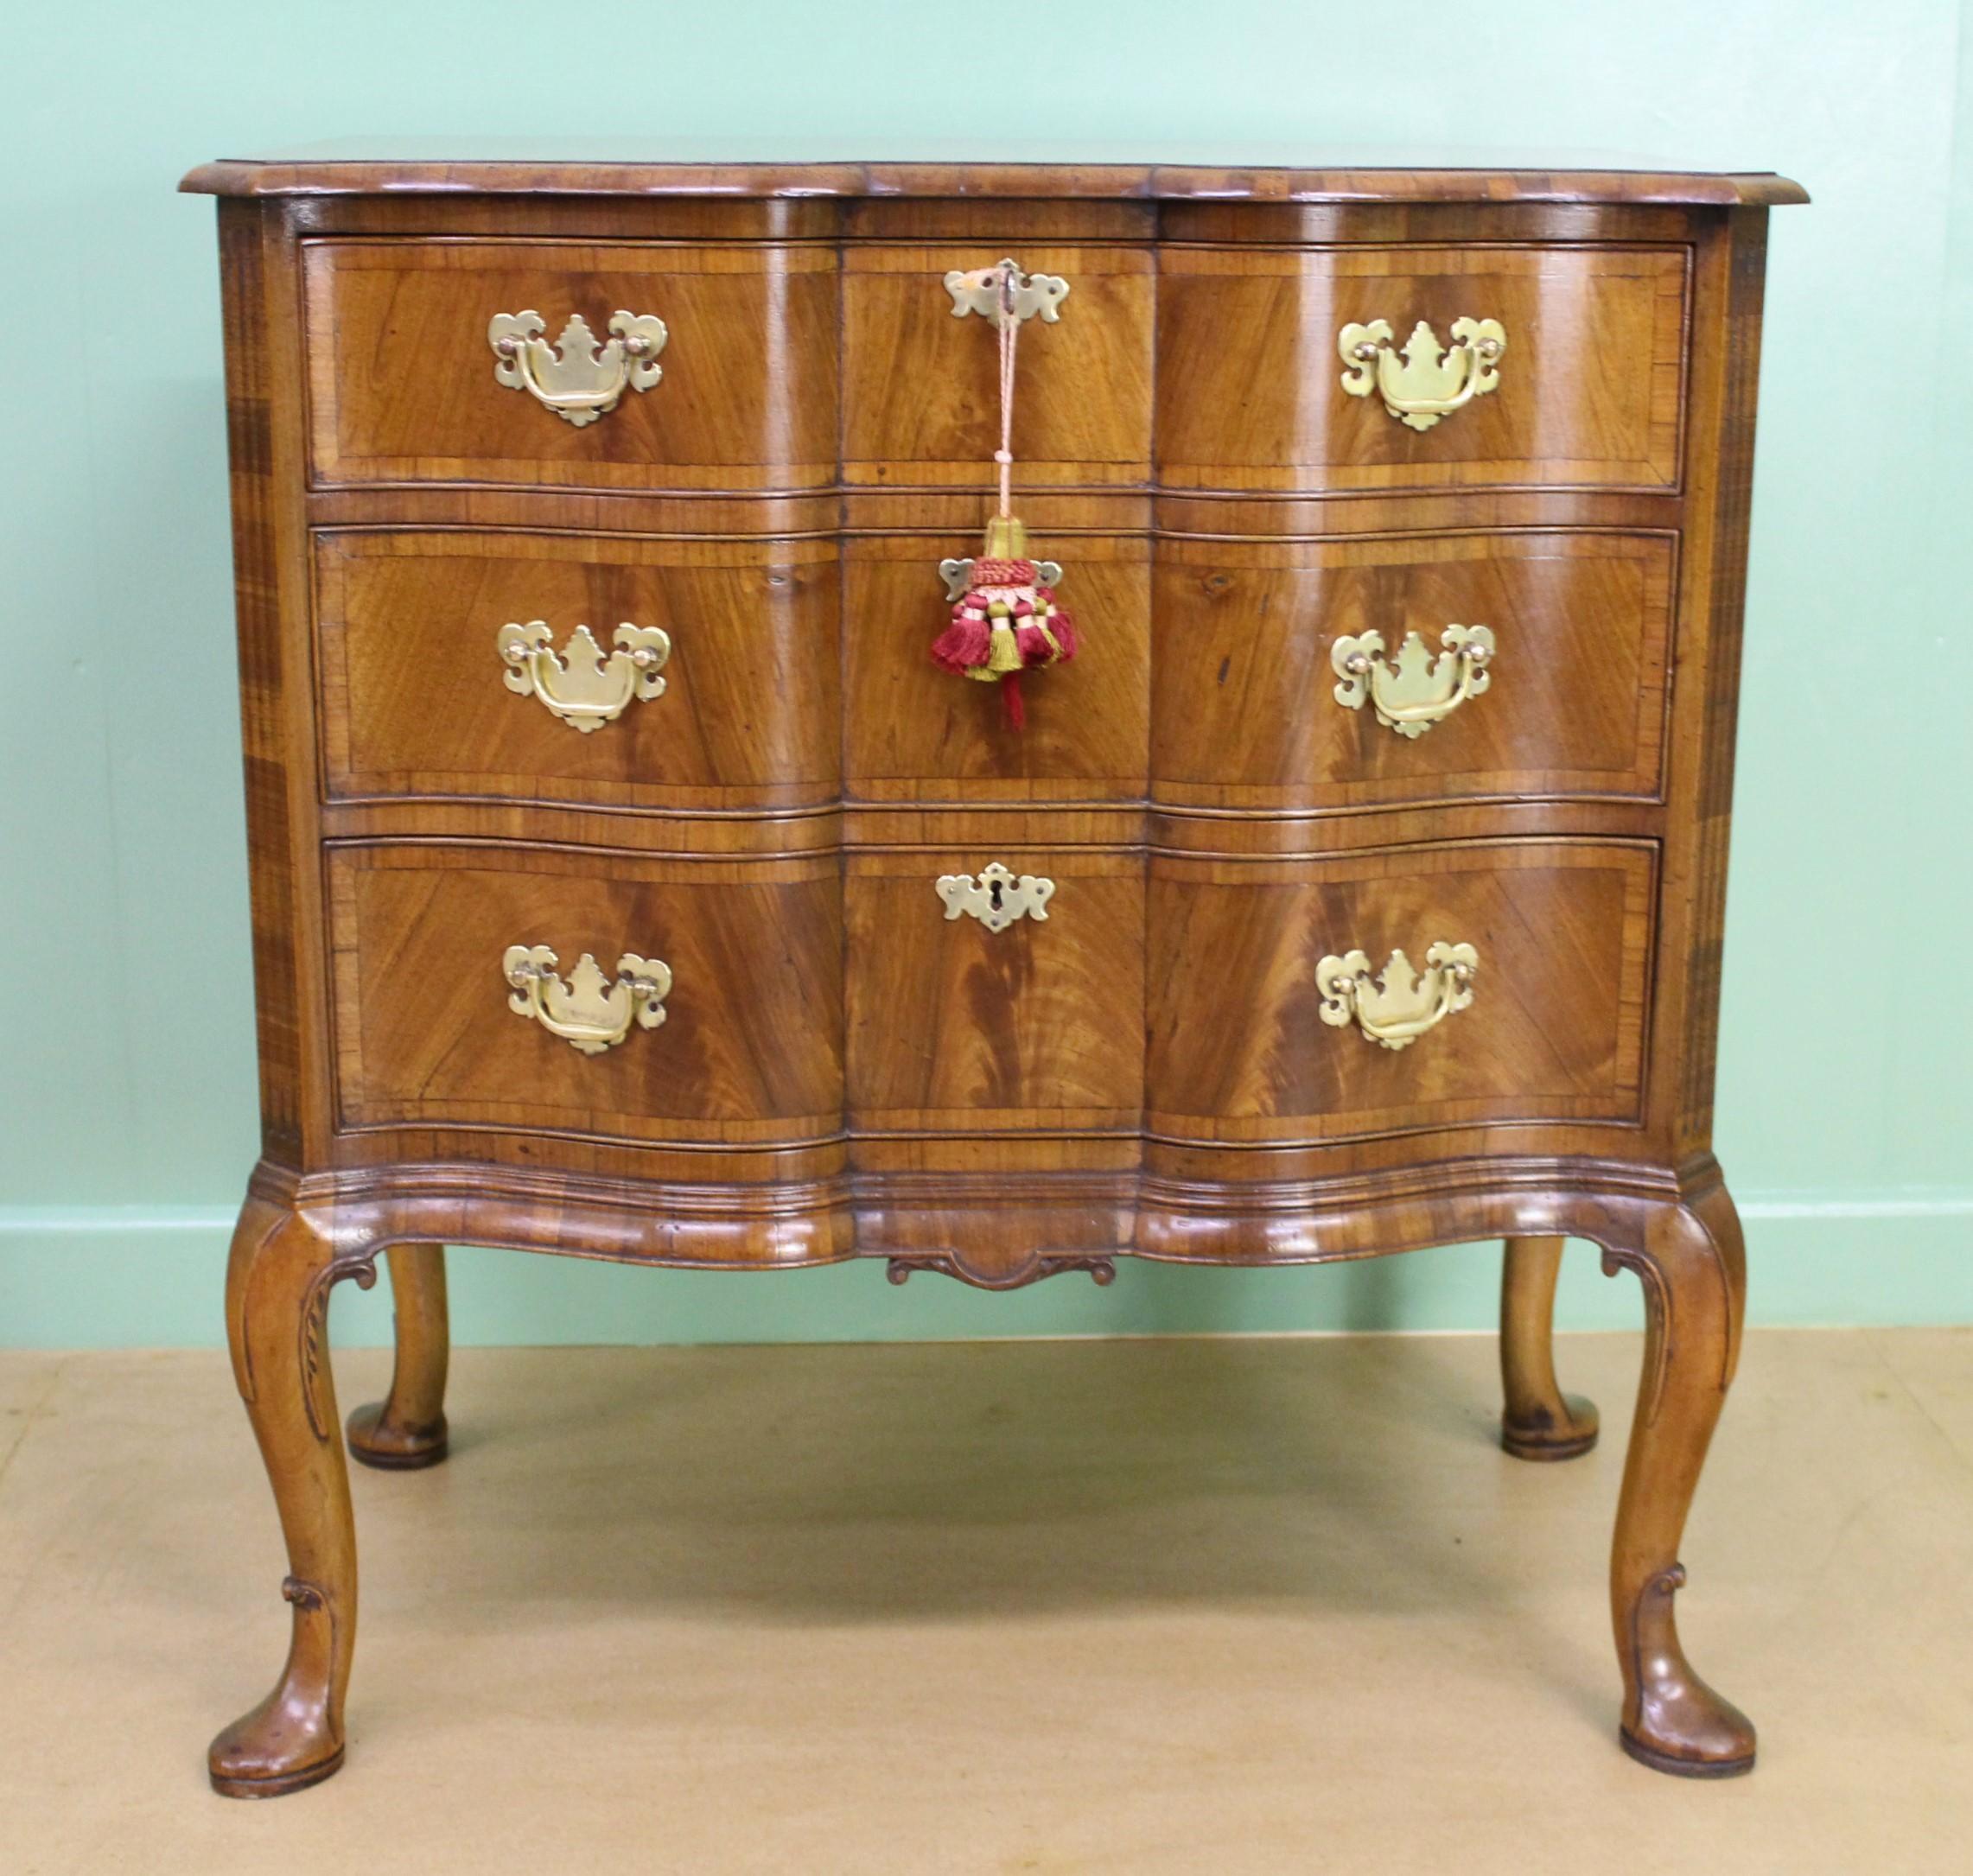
{"type": "Point", "coordinates": [1554, 1030]}
{"type": "Point", "coordinates": [907, 739]}
{"type": "Point", "coordinates": [406, 385]}
{"type": "Point", "coordinates": [1256, 709]}
{"type": "Point", "coordinates": [418, 695]}
{"type": "Point", "coordinates": [1086, 400]}
{"type": "Point", "coordinates": [749, 1052]}
{"type": "Point", "coordinates": [993, 719]}
{"type": "Point", "coordinates": [1591, 344]}
{"type": "Point", "coordinates": [958, 1025]}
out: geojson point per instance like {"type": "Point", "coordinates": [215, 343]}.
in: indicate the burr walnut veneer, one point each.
{"type": "Point", "coordinates": [626, 874]}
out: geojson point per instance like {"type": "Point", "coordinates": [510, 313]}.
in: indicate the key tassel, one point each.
{"type": "Point", "coordinates": [1006, 621]}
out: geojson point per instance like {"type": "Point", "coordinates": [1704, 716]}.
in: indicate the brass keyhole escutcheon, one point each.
{"type": "Point", "coordinates": [997, 899]}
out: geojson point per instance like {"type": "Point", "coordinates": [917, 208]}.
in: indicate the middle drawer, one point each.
{"type": "Point", "coordinates": [1389, 668]}
{"type": "Point", "coordinates": [432, 683]}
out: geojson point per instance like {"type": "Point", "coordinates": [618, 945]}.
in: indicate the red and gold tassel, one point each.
{"type": "Point", "coordinates": [1006, 621]}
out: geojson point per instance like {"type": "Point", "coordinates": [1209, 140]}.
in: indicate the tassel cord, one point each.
{"type": "Point", "coordinates": [1007, 619]}
{"type": "Point", "coordinates": [1009, 340]}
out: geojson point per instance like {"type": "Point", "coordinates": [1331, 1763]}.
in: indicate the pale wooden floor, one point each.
{"type": "Point", "coordinates": [1123, 1607]}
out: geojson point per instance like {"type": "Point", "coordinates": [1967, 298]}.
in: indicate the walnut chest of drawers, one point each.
{"type": "Point", "coordinates": [628, 881]}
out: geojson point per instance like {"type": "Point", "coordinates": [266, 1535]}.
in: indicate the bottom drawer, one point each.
{"type": "Point", "coordinates": [1265, 1028]}
{"type": "Point", "coordinates": [957, 1026]}
{"type": "Point", "coordinates": [742, 957]}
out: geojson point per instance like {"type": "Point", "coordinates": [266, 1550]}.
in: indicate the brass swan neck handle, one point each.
{"type": "Point", "coordinates": [580, 685]}
{"type": "Point", "coordinates": [1425, 381]}
{"type": "Point", "coordinates": [575, 377]}
{"type": "Point", "coordinates": [1420, 689]}
{"type": "Point", "coordinates": [589, 1012]}
{"type": "Point", "coordinates": [1400, 1005]}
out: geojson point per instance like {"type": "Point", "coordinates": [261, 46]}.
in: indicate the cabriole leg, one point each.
{"type": "Point", "coordinates": [406, 1429]}
{"type": "Point", "coordinates": [277, 1286]}
{"type": "Point", "coordinates": [1540, 1421]}
{"type": "Point", "coordinates": [1694, 1270]}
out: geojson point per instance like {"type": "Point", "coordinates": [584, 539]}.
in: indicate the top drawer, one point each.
{"type": "Point", "coordinates": [1588, 391]}
{"type": "Point", "coordinates": [921, 388]}
{"type": "Point", "coordinates": [401, 367]}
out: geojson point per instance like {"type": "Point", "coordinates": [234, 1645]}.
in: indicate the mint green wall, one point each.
{"type": "Point", "coordinates": [126, 1087]}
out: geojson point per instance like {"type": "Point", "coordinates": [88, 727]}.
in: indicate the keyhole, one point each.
{"type": "Point", "coordinates": [994, 891]}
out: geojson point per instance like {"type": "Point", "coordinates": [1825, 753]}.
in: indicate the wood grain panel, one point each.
{"type": "Point", "coordinates": [996, 219]}
{"type": "Point", "coordinates": [1733, 269]}
{"type": "Point", "coordinates": [671, 833]}
{"type": "Point", "coordinates": [415, 703]}
{"type": "Point", "coordinates": [1554, 1032]}
{"type": "Point", "coordinates": [268, 683]}
{"type": "Point", "coordinates": [401, 377]}
{"type": "Point", "coordinates": [913, 732]}
{"type": "Point", "coordinates": [1053, 515]}
{"type": "Point", "coordinates": [1395, 222]}
{"type": "Point", "coordinates": [1250, 382]}
{"type": "Point", "coordinates": [921, 388]}
{"type": "Point", "coordinates": [750, 1051]}
{"type": "Point", "coordinates": [677, 515]}
{"type": "Point", "coordinates": [1035, 1029]}
{"type": "Point", "coordinates": [1317, 833]}
{"type": "Point", "coordinates": [1260, 515]}
{"type": "Point", "coordinates": [1007, 824]}
{"type": "Point", "coordinates": [760, 1178]}
{"type": "Point", "coordinates": [1243, 687]}
{"type": "Point", "coordinates": [573, 217]}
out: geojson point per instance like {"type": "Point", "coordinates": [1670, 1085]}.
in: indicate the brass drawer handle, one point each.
{"type": "Point", "coordinates": [1400, 1006]}
{"type": "Point", "coordinates": [575, 377]}
{"type": "Point", "coordinates": [1425, 382]}
{"type": "Point", "coordinates": [589, 1012]}
{"type": "Point", "coordinates": [1413, 694]}
{"type": "Point", "coordinates": [580, 686]}
{"type": "Point", "coordinates": [997, 899]}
